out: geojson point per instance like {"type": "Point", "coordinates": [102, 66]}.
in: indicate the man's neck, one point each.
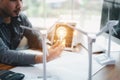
{"type": "Point", "coordinates": [7, 20]}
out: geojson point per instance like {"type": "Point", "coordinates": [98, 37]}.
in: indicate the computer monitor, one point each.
{"type": "Point", "coordinates": [111, 11]}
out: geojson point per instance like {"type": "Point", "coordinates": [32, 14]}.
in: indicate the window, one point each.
{"type": "Point", "coordinates": [44, 13]}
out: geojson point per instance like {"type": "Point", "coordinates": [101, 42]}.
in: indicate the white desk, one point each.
{"type": "Point", "coordinates": [70, 66]}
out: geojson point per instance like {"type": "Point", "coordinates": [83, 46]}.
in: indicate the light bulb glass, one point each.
{"type": "Point", "coordinates": [61, 32]}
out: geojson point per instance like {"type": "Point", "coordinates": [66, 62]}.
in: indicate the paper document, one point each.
{"type": "Point", "coordinates": [70, 66]}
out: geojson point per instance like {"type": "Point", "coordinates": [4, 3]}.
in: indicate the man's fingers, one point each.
{"type": "Point", "coordinates": [55, 45]}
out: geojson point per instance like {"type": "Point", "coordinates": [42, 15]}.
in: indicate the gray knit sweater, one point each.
{"type": "Point", "coordinates": [10, 37]}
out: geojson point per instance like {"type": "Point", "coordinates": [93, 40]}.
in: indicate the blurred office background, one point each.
{"type": "Point", "coordinates": [86, 14]}
{"type": "Point", "coordinates": [44, 13]}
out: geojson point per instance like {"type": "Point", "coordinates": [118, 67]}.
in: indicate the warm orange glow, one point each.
{"type": "Point", "coordinates": [61, 33]}
{"type": "Point", "coordinates": [63, 42]}
{"type": "Point", "coordinates": [75, 33]}
{"type": "Point", "coordinates": [64, 34]}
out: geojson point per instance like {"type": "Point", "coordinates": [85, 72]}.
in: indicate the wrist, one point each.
{"type": "Point", "coordinates": [38, 59]}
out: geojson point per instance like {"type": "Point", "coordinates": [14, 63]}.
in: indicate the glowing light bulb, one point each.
{"type": "Point", "coordinates": [75, 33]}
{"type": "Point", "coordinates": [61, 32]}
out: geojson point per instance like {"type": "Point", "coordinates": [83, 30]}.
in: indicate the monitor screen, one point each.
{"type": "Point", "coordinates": [111, 11]}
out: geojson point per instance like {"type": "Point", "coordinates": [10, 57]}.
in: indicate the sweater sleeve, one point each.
{"type": "Point", "coordinates": [14, 57]}
{"type": "Point", "coordinates": [33, 37]}
{"type": "Point", "coordinates": [34, 40]}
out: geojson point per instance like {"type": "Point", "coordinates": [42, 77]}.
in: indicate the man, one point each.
{"type": "Point", "coordinates": [11, 34]}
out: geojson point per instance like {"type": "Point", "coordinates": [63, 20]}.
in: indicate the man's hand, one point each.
{"type": "Point", "coordinates": [55, 50]}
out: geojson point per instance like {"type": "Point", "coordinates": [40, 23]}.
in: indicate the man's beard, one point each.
{"type": "Point", "coordinates": [7, 14]}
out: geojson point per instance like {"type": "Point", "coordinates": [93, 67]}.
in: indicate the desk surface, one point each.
{"type": "Point", "coordinates": [5, 67]}
{"type": "Point", "coordinates": [111, 72]}
{"type": "Point", "coordinates": [107, 73]}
